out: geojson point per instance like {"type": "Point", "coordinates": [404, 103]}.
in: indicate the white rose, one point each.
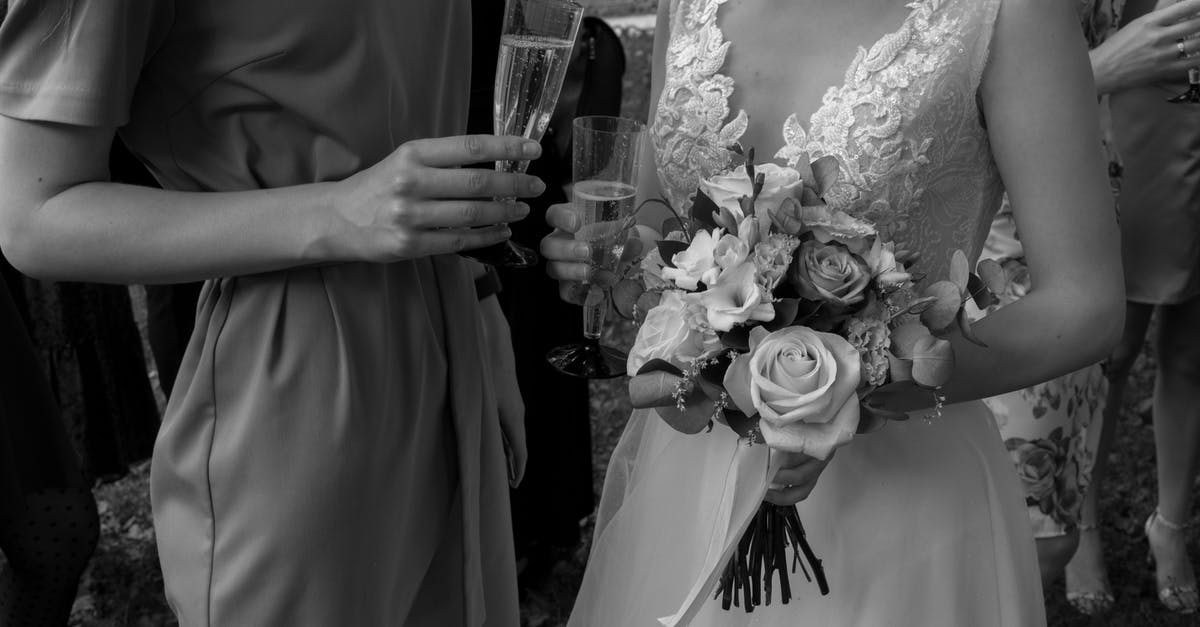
{"type": "Point", "coordinates": [727, 190]}
{"type": "Point", "coordinates": [696, 264]}
{"type": "Point", "coordinates": [735, 298]}
{"type": "Point", "coordinates": [802, 384]}
{"type": "Point", "coordinates": [667, 334]}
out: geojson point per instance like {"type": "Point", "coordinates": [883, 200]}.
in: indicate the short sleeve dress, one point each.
{"type": "Point", "coordinates": [331, 453]}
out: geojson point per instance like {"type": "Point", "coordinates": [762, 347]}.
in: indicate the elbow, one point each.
{"type": "Point", "coordinates": [1104, 323]}
{"type": "Point", "coordinates": [19, 245]}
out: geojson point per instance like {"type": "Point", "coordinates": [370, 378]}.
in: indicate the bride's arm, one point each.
{"type": "Point", "coordinates": [1039, 101]}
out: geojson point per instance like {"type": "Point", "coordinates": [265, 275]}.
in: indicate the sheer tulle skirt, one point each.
{"type": "Point", "coordinates": [917, 524]}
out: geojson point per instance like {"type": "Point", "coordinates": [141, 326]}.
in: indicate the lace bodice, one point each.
{"type": "Point", "coordinates": [905, 124]}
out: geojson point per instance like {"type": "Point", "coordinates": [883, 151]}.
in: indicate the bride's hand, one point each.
{"type": "Point", "coordinates": [1146, 49]}
{"type": "Point", "coordinates": [796, 478]}
{"type": "Point", "coordinates": [566, 259]}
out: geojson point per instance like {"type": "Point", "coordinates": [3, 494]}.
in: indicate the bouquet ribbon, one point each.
{"type": "Point", "coordinates": [750, 473]}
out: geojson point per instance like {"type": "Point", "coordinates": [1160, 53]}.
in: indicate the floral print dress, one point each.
{"type": "Point", "coordinates": [1052, 429]}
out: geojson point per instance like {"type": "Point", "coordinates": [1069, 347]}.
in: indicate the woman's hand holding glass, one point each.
{"type": "Point", "coordinates": [1157, 46]}
{"type": "Point", "coordinates": [568, 260]}
{"type": "Point", "coordinates": [419, 201]}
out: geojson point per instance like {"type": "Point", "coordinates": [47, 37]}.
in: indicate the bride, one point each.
{"type": "Point", "coordinates": [948, 103]}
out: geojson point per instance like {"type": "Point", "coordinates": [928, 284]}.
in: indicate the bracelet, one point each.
{"type": "Point", "coordinates": [488, 284]}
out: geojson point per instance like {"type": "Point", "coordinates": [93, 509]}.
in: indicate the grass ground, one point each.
{"type": "Point", "coordinates": [123, 586]}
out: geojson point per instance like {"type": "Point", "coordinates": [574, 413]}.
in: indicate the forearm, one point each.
{"type": "Point", "coordinates": [112, 233]}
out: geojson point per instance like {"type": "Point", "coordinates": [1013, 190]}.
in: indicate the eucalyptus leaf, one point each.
{"type": "Point", "coordinates": [646, 302]}
{"type": "Point", "coordinates": [905, 338]}
{"type": "Point", "coordinates": [959, 269]}
{"type": "Point", "coordinates": [993, 276]}
{"type": "Point", "coordinates": [933, 362]}
{"type": "Point", "coordinates": [941, 313]}
{"type": "Point", "coordinates": [968, 332]}
{"type": "Point", "coordinates": [980, 293]}
{"type": "Point", "coordinates": [625, 295]}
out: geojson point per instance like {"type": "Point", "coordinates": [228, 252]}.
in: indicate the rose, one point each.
{"type": "Point", "coordinates": [735, 298]}
{"type": "Point", "coordinates": [1037, 465]}
{"type": "Point", "coordinates": [696, 264]}
{"type": "Point", "coordinates": [802, 385]}
{"type": "Point", "coordinates": [666, 334]}
{"type": "Point", "coordinates": [829, 272]}
{"type": "Point", "coordinates": [727, 190]}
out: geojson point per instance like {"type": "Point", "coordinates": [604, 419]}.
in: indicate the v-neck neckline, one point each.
{"type": "Point", "coordinates": [863, 51]}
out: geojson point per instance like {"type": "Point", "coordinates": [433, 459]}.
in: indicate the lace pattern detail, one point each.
{"type": "Point", "coordinates": [905, 125]}
{"type": "Point", "coordinates": [690, 132]}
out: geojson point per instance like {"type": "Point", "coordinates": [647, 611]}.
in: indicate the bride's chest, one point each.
{"type": "Point", "coordinates": [785, 56]}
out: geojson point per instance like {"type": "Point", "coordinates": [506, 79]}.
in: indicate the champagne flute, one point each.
{"type": "Point", "coordinates": [604, 168]}
{"type": "Point", "coordinates": [535, 47]}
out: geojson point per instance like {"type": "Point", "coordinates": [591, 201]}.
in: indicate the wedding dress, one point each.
{"type": "Point", "coordinates": [921, 523]}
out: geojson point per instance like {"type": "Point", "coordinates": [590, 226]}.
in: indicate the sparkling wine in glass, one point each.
{"type": "Point", "coordinates": [535, 47]}
{"type": "Point", "coordinates": [605, 166]}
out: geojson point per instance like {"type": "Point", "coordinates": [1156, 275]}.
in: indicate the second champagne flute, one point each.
{"type": "Point", "coordinates": [605, 167]}
{"type": "Point", "coordinates": [535, 47]}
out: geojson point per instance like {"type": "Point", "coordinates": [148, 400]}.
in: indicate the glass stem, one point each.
{"type": "Point", "coordinates": [593, 320]}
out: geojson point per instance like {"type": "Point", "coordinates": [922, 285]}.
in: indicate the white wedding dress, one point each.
{"type": "Point", "coordinates": [919, 524]}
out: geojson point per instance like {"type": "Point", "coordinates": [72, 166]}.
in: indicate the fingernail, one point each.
{"type": "Point", "coordinates": [583, 250]}
{"type": "Point", "coordinates": [519, 210]}
{"type": "Point", "coordinates": [538, 187]}
{"type": "Point", "coordinates": [532, 150]}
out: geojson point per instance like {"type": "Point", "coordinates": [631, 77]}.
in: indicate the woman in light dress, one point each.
{"type": "Point", "coordinates": [920, 523]}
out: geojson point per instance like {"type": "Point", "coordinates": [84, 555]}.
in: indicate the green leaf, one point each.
{"type": "Point", "coordinates": [905, 338]}
{"type": "Point", "coordinates": [703, 209]}
{"type": "Point", "coordinates": [625, 296]}
{"type": "Point", "coordinates": [667, 249]}
{"type": "Point", "coordinates": [602, 279]}
{"type": "Point", "coordinates": [787, 217]}
{"type": "Point", "coordinates": [646, 302]}
{"type": "Point", "coordinates": [826, 171]}
{"type": "Point", "coordinates": [872, 418]}
{"type": "Point", "coordinates": [933, 362]}
{"type": "Point", "coordinates": [993, 276]}
{"type": "Point", "coordinates": [959, 269]}
{"type": "Point", "coordinates": [949, 300]}
{"type": "Point", "coordinates": [964, 325]}
{"type": "Point", "coordinates": [979, 292]}
{"type": "Point", "coordinates": [785, 313]}
{"type": "Point", "coordinates": [743, 425]}
{"type": "Point", "coordinates": [673, 224]}
{"type": "Point", "coordinates": [737, 338]}
{"type": "Point", "coordinates": [919, 305]}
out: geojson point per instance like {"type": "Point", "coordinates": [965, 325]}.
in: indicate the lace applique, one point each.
{"type": "Point", "coordinates": [905, 125]}
{"type": "Point", "coordinates": [862, 121]}
{"type": "Point", "coordinates": [690, 132]}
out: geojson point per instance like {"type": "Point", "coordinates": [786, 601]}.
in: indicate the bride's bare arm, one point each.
{"type": "Point", "coordinates": [61, 219]}
{"type": "Point", "coordinates": [1040, 105]}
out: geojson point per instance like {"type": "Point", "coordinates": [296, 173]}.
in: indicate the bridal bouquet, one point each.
{"type": "Point", "coordinates": [785, 319]}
